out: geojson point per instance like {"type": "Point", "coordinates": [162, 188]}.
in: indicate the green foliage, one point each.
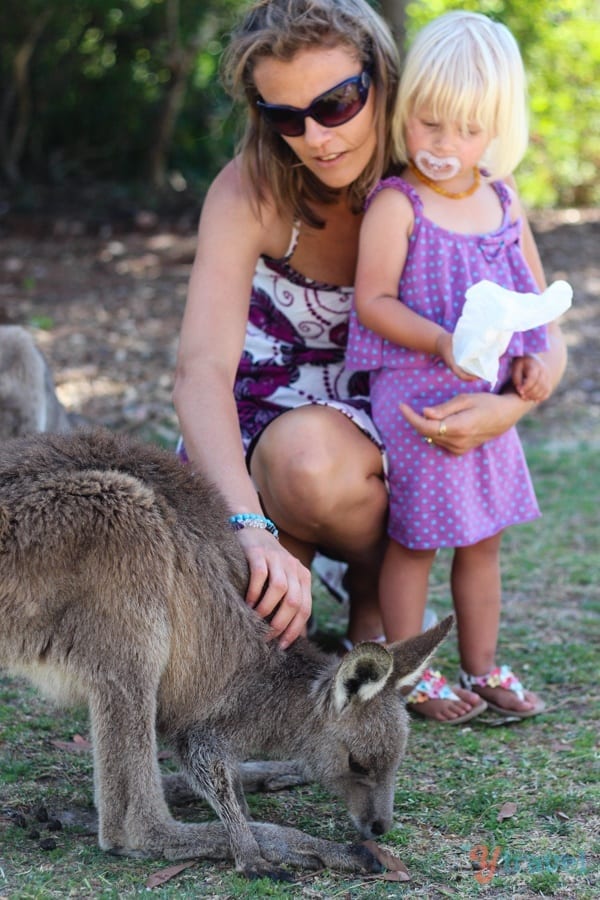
{"type": "Point", "coordinates": [86, 86]}
{"type": "Point", "coordinates": [560, 44]}
{"type": "Point", "coordinates": [98, 76]}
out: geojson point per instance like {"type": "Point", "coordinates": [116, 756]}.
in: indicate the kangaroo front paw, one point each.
{"type": "Point", "coordinates": [365, 859]}
{"type": "Point", "coordinates": [289, 846]}
{"type": "Point", "coordinates": [263, 869]}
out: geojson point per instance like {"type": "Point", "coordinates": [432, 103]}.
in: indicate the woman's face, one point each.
{"type": "Point", "coordinates": [336, 155]}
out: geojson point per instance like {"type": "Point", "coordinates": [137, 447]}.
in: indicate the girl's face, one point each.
{"type": "Point", "coordinates": [336, 155]}
{"type": "Point", "coordinates": [441, 149]}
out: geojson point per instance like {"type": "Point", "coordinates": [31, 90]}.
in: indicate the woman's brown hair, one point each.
{"type": "Point", "coordinates": [279, 29]}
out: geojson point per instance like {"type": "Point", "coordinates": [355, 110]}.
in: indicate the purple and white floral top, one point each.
{"type": "Point", "coordinates": [295, 350]}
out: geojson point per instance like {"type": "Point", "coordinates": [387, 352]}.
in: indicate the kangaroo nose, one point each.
{"type": "Point", "coordinates": [378, 828]}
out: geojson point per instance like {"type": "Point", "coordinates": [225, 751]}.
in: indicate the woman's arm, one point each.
{"type": "Point", "coordinates": [473, 419]}
{"type": "Point", "coordinates": [230, 240]}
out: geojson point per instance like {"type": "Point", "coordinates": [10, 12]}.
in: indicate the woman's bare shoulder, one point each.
{"type": "Point", "coordinates": [231, 199]}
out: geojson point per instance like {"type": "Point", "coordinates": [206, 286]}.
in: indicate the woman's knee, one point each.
{"type": "Point", "coordinates": [307, 460]}
{"type": "Point", "coordinates": [294, 462]}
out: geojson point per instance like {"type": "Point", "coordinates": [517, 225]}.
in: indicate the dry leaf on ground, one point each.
{"type": "Point", "coordinates": [396, 870]}
{"type": "Point", "coordinates": [164, 875]}
{"type": "Point", "coordinates": [507, 811]}
{"type": "Point", "coordinates": [78, 744]}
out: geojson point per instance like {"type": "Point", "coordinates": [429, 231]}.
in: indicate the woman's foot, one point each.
{"type": "Point", "coordinates": [434, 699]}
{"type": "Point", "coordinates": [503, 692]}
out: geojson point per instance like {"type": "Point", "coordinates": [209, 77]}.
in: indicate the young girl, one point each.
{"type": "Point", "coordinates": [460, 126]}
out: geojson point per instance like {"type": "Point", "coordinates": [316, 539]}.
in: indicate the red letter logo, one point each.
{"type": "Point", "coordinates": [486, 868]}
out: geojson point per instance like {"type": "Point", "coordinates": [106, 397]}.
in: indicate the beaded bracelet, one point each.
{"type": "Point", "coordinates": [253, 520]}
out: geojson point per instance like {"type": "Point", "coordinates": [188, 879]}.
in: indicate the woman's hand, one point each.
{"type": "Point", "coordinates": [280, 586]}
{"type": "Point", "coordinates": [467, 420]}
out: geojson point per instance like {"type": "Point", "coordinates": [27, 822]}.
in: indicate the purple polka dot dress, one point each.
{"type": "Point", "coordinates": [439, 499]}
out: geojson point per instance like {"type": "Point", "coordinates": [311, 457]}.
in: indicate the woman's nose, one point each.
{"type": "Point", "coordinates": [315, 134]}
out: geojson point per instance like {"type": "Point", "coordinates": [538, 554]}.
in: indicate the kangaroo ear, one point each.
{"type": "Point", "coordinates": [411, 656]}
{"type": "Point", "coordinates": [362, 674]}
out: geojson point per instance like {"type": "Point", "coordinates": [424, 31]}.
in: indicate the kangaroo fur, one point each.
{"type": "Point", "coordinates": [121, 587]}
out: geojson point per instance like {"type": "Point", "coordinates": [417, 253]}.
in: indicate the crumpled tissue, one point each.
{"type": "Point", "coordinates": [492, 314]}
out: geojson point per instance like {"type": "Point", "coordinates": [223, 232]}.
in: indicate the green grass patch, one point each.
{"type": "Point", "coordinates": [453, 782]}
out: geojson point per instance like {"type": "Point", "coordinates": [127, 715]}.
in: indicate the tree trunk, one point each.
{"type": "Point", "coordinates": [17, 103]}
{"type": "Point", "coordinates": [180, 61]}
{"type": "Point", "coordinates": [394, 12]}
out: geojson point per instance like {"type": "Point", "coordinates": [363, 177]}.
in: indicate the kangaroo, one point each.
{"type": "Point", "coordinates": [28, 401]}
{"type": "Point", "coordinates": [122, 586]}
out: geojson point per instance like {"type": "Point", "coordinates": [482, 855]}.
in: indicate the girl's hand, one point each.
{"type": "Point", "coordinates": [443, 349]}
{"type": "Point", "coordinates": [279, 586]}
{"type": "Point", "coordinates": [467, 420]}
{"type": "Point", "coordinates": [531, 378]}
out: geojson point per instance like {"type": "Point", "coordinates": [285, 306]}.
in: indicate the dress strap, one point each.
{"type": "Point", "coordinates": [398, 184]}
{"type": "Point", "coordinates": [504, 195]}
{"type": "Point", "coordinates": [293, 240]}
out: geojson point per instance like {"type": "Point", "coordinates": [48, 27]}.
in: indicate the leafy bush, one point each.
{"type": "Point", "coordinates": [128, 91]}
{"type": "Point", "coordinates": [560, 44]}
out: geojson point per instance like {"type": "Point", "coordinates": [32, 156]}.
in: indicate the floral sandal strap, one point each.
{"type": "Point", "coordinates": [500, 676]}
{"type": "Point", "coordinates": [432, 686]}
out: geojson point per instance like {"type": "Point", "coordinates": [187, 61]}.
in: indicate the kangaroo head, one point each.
{"type": "Point", "coordinates": [364, 735]}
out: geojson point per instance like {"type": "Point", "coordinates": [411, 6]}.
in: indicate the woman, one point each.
{"type": "Point", "coordinates": [265, 406]}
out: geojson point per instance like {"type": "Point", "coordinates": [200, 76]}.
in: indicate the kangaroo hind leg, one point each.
{"type": "Point", "coordinates": [134, 819]}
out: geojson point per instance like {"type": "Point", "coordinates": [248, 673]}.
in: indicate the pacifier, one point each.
{"type": "Point", "coordinates": [437, 168]}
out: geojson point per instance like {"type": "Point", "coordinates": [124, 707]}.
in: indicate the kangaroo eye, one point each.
{"type": "Point", "coordinates": [356, 767]}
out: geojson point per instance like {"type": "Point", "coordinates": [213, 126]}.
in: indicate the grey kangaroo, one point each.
{"type": "Point", "coordinates": [28, 401]}
{"type": "Point", "coordinates": [121, 586]}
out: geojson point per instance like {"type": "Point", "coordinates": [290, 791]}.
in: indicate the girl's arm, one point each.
{"type": "Point", "coordinates": [230, 240]}
{"type": "Point", "coordinates": [473, 419]}
{"type": "Point", "coordinates": [383, 247]}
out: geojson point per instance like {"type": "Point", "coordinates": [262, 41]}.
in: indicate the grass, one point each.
{"type": "Point", "coordinates": [453, 782]}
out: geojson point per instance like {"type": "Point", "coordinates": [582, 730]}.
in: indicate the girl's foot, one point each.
{"type": "Point", "coordinates": [433, 698]}
{"type": "Point", "coordinates": [504, 692]}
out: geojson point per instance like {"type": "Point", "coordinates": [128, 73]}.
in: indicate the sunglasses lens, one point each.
{"type": "Point", "coordinates": [339, 106]}
{"type": "Point", "coordinates": [333, 108]}
{"type": "Point", "coordinates": [284, 121]}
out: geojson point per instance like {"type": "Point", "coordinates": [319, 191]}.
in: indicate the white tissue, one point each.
{"type": "Point", "coordinates": [490, 316]}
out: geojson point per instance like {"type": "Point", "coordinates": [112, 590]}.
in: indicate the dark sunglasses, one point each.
{"type": "Point", "coordinates": [335, 107]}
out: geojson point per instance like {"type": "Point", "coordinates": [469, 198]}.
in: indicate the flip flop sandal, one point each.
{"type": "Point", "coordinates": [503, 677]}
{"type": "Point", "coordinates": [433, 686]}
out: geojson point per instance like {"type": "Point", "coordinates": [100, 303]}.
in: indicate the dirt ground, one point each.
{"type": "Point", "coordinates": [106, 301]}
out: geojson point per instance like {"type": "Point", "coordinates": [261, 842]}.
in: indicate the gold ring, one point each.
{"type": "Point", "coordinates": [428, 440]}
{"type": "Point", "coordinates": [443, 428]}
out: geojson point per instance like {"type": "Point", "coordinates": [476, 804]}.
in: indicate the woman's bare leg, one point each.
{"type": "Point", "coordinates": [477, 591]}
{"type": "Point", "coordinates": [320, 479]}
{"type": "Point", "coordinates": [403, 594]}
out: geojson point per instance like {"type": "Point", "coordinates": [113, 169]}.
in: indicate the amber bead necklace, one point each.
{"type": "Point", "coordinates": [441, 190]}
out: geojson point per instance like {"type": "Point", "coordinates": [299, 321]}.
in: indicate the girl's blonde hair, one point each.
{"type": "Point", "coordinates": [278, 29]}
{"type": "Point", "coordinates": [465, 68]}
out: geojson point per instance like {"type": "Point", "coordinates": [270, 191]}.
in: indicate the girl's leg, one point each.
{"type": "Point", "coordinates": [403, 595]}
{"type": "Point", "coordinates": [477, 591]}
{"type": "Point", "coordinates": [320, 479]}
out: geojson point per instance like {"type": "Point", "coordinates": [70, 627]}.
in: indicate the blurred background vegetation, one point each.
{"type": "Point", "coordinates": [126, 93]}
